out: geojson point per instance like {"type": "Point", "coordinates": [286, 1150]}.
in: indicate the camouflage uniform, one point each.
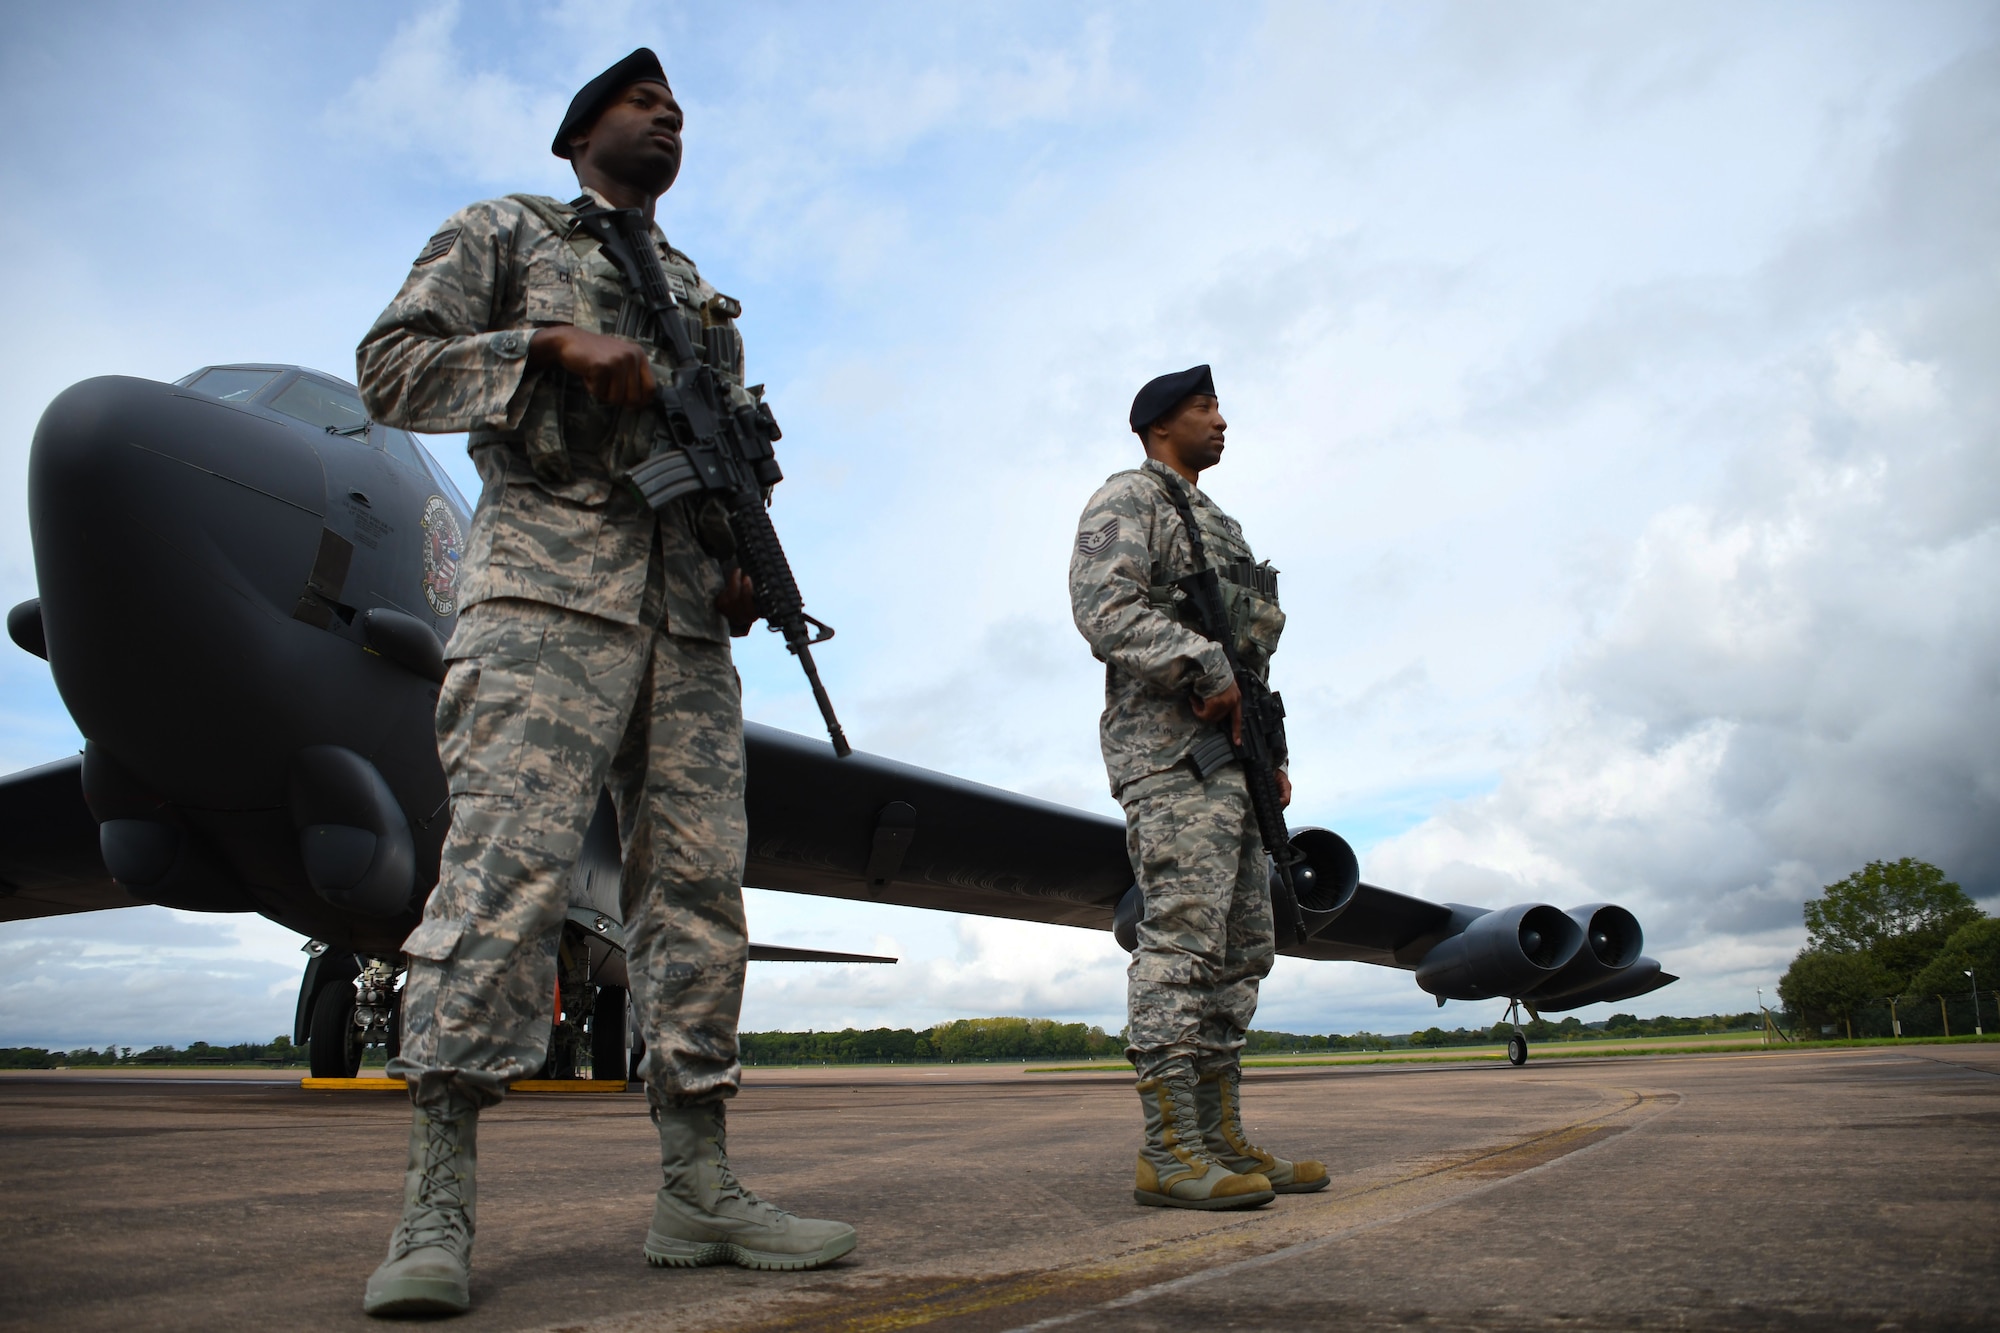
{"type": "Point", "coordinates": [1206, 939]}
{"type": "Point", "coordinates": [589, 654]}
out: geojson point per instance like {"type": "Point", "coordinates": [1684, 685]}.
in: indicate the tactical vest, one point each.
{"type": "Point", "coordinates": [561, 417]}
{"type": "Point", "coordinates": [1249, 600]}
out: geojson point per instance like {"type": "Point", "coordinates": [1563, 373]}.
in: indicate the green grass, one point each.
{"type": "Point", "coordinates": [1607, 1048]}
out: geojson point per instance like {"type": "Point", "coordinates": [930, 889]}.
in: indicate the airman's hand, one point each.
{"type": "Point", "coordinates": [614, 370]}
{"type": "Point", "coordinates": [1228, 704]}
{"type": "Point", "coordinates": [738, 602]}
{"type": "Point", "coordinates": [1284, 789]}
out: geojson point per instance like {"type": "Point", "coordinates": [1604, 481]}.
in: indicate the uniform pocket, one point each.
{"type": "Point", "coordinates": [482, 714]}
{"type": "Point", "coordinates": [434, 940]}
{"type": "Point", "coordinates": [556, 536]}
{"type": "Point", "coordinates": [1257, 622]}
{"type": "Point", "coordinates": [547, 294]}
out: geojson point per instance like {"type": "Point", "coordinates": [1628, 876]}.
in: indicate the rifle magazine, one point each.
{"type": "Point", "coordinates": [665, 477]}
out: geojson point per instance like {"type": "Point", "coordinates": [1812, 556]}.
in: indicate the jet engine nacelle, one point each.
{"type": "Point", "coordinates": [1642, 977]}
{"type": "Point", "coordinates": [1612, 943]}
{"type": "Point", "coordinates": [1326, 883]}
{"type": "Point", "coordinates": [1501, 954]}
{"type": "Point", "coordinates": [353, 837]}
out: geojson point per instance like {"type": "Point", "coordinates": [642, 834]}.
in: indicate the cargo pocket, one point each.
{"type": "Point", "coordinates": [483, 707]}
{"type": "Point", "coordinates": [434, 940]}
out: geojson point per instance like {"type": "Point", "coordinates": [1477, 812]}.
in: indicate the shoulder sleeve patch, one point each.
{"type": "Point", "coordinates": [1090, 543]}
{"type": "Point", "coordinates": [438, 246]}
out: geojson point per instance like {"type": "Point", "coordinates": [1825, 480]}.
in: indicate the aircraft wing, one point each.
{"type": "Point", "coordinates": [863, 828]}
{"type": "Point", "coordinates": [49, 863]}
{"type": "Point", "coordinates": [875, 830]}
{"type": "Point", "coordinates": [1382, 927]}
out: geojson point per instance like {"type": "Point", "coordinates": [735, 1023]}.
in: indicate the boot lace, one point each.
{"type": "Point", "coordinates": [1186, 1123]}
{"type": "Point", "coordinates": [726, 1183]}
{"type": "Point", "coordinates": [1230, 1090]}
{"type": "Point", "coordinates": [437, 1217]}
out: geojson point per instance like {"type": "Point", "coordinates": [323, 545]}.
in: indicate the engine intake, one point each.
{"type": "Point", "coordinates": [1326, 883]}
{"type": "Point", "coordinates": [1612, 942]}
{"type": "Point", "coordinates": [1501, 954]}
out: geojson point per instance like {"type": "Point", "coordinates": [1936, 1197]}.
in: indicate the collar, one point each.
{"type": "Point", "coordinates": [602, 202]}
{"type": "Point", "coordinates": [1171, 477]}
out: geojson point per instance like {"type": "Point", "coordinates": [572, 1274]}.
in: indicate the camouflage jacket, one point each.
{"type": "Point", "coordinates": [553, 524]}
{"type": "Point", "coordinates": [1130, 547]}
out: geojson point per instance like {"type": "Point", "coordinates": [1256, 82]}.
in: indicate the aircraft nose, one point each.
{"type": "Point", "coordinates": [168, 527]}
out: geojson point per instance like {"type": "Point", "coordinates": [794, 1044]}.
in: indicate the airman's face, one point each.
{"type": "Point", "coordinates": [1192, 436]}
{"type": "Point", "coordinates": [636, 140]}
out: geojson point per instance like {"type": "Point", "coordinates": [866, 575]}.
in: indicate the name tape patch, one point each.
{"type": "Point", "coordinates": [438, 246]}
{"type": "Point", "coordinates": [1090, 543]}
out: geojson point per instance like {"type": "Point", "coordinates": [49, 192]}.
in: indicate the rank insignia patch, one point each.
{"type": "Point", "coordinates": [1090, 543]}
{"type": "Point", "coordinates": [438, 246]}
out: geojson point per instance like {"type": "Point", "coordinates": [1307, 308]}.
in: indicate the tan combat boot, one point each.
{"type": "Point", "coordinates": [1218, 1097]}
{"type": "Point", "coordinates": [704, 1215]}
{"type": "Point", "coordinates": [429, 1268]}
{"type": "Point", "coordinates": [1176, 1169]}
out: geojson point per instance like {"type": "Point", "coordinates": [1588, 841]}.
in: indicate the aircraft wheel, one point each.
{"type": "Point", "coordinates": [607, 1034]}
{"type": "Point", "coordinates": [336, 1042]}
{"type": "Point", "coordinates": [1517, 1049]}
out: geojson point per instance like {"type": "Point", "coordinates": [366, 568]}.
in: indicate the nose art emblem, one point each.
{"type": "Point", "coordinates": [443, 544]}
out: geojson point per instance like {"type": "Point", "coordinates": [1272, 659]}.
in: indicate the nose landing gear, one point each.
{"type": "Point", "coordinates": [348, 1019]}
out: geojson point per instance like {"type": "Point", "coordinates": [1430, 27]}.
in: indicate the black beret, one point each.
{"type": "Point", "coordinates": [1160, 396]}
{"type": "Point", "coordinates": [642, 66]}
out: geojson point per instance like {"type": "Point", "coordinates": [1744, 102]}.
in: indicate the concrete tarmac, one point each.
{"type": "Point", "coordinates": [1855, 1189]}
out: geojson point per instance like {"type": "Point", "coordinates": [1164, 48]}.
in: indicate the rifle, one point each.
{"type": "Point", "coordinates": [712, 446]}
{"type": "Point", "coordinates": [1262, 748]}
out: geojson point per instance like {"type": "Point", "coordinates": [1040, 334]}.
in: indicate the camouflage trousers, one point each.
{"type": "Point", "coordinates": [541, 708]}
{"type": "Point", "coordinates": [1206, 940]}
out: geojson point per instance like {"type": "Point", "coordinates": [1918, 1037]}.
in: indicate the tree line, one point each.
{"type": "Point", "coordinates": [279, 1052]}
{"type": "Point", "coordinates": [966, 1039]}
{"type": "Point", "coordinates": [958, 1040]}
{"type": "Point", "coordinates": [1894, 943]}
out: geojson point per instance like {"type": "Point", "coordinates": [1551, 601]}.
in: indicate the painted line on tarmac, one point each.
{"type": "Point", "coordinates": [1296, 1225]}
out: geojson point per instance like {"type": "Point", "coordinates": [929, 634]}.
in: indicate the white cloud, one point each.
{"type": "Point", "coordinates": [144, 976]}
{"type": "Point", "coordinates": [422, 98]}
{"type": "Point", "coordinates": [1796, 674]}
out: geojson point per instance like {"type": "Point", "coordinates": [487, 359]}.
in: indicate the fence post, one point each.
{"type": "Point", "coordinates": [1943, 1016]}
{"type": "Point", "coordinates": [1895, 1023]}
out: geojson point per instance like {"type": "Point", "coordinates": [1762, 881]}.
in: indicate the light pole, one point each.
{"type": "Point", "coordinates": [1977, 1030]}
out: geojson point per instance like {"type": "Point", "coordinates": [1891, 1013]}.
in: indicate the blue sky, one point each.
{"type": "Point", "coordinates": [1610, 382]}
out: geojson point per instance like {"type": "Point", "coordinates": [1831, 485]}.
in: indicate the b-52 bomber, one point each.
{"type": "Point", "coordinates": [245, 591]}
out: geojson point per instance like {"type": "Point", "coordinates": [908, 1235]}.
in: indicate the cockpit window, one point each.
{"type": "Point", "coordinates": [231, 385]}
{"type": "Point", "coordinates": [318, 403]}
{"type": "Point", "coordinates": [443, 479]}
{"type": "Point", "coordinates": [401, 447]}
